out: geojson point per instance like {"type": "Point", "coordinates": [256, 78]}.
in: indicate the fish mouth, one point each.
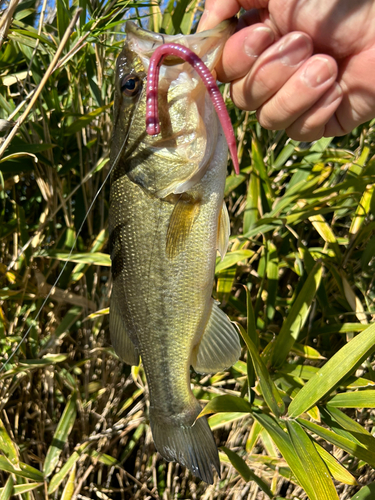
{"type": "Point", "coordinates": [190, 134]}
{"type": "Point", "coordinates": [208, 44]}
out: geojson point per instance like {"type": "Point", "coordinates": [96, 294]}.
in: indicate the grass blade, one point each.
{"type": "Point", "coordinates": [94, 258]}
{"type": "Point", "coordinates": [69, 487]}
{"type": "Point", "coordinates": [284, 444]}
{"type": "Point", "coordinates": [269, 390]}
{"type": "Point", "coordinates": [358, 399]}
{"type": "Point", "coordinates": [365, 493]}
{"type": "Point", "coordinates": [364, 437]}
{"type": "Point", "coordinates": [63, 429]}
{"type": "Point", "coordinates": [7, 491]}
{"type": "Point", "coordinates": [321, 482]}
{"type": "Point", "coordinates": [224, 404]}
{"type": "Point", "coordinates": [24, 470]}
{"type": "Point", "coordinates": [297, 316]}
{"type": "Point", "coordinates": [324, 229]}
{"type": "Point", "coordinates": [342, 363]}
{"type": "Point", "coordinates": [84, 120]}
{"type": "Point", "coordinates": [251, 215]}
{"type": "Point", "coordinates": [225, 281]}
{"type": "Point", "coordinates": [232, 182]}
{"type": "Point", "coordinates": [245, 472]}
{"type": "Point", "coordinates": [343, 429]}
{"type": "Point", "coordinates": [335, 468]}
{"type": "Point", "coordinates": [362, 211]}
{"type": "Point", "coordinates": [220, 419]}
{"type": "Point", "coordinates": [340, 441]}
{"type": "Point", "coordinates": [254, 433]}
{"type": "Point", "coordinates": [354, 302]}
{"type": "Point", "coordinates": [231, 258]}
{"type": "Point", "coordinates": [59, 477]}
{"type": "Point", "coordinates": [7, 446]}
{"type": "Point", "coordinates": [178, 15]}
{"type": "Point", "coordinates": [18, 489]}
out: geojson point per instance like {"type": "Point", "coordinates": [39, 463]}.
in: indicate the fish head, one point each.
{"type": "Point", "coordinates": [177, 158]}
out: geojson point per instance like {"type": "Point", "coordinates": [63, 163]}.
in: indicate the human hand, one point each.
{"type": "Point", "coordinates": [306, 67]}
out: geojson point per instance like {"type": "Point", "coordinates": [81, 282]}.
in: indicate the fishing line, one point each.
{"type": "Point", "coordinates": [50, 217]}
{"type": "Point", "coordinates": [117, 159]}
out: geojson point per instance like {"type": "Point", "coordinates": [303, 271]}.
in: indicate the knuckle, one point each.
{"type": "Point", "coordinates": [240, 99]}
{"type": "Point", "coordinates": [266, 121]}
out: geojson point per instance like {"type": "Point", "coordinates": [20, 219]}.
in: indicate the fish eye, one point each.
{"type": "Point", "coordinates": [131, 85]}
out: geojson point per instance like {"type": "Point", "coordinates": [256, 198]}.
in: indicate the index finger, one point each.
{"type": "Point", "coordinates": [216, 11]}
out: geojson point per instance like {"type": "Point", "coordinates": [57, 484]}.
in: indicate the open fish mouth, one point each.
{"type": "Point", "coordinates": [206, 44]}
{"type": "Point", "coordinates": [189, 129]}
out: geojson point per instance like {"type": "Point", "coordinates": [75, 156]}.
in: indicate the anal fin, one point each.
{"type": "Point", "coordinates": [219, 347]}
{"type": "Point", "coordinates": [121, 342]}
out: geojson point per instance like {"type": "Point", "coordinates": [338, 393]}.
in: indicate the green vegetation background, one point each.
{"type": "Point", "coordinates": [295, 416]}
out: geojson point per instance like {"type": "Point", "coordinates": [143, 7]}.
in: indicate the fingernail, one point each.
{"type": "Point", "coordinates": [203, 21]}
{"type": "Point", "coordinates": [258, 40]}
{"type": "Point", "coordinates": [317, 72]}
{"type": "Point", "coordinates": [294, 49]}
{"type": "Point", "coordinates": [335, 94]}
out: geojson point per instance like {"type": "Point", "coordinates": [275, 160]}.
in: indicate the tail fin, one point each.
{"type": "Point", "coordinates": [191, 446]}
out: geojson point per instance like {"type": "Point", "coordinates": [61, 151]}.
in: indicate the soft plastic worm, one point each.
{"type": "Point", "coordinates": [152, 114]}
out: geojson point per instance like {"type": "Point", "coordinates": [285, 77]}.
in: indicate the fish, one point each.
{"type": "Point", "coordinates": [167, 219]}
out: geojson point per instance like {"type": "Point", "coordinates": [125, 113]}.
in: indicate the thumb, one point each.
{"type": "Point", "coordinates": [216, 11]}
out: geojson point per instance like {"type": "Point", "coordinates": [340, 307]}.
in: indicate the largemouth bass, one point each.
{"type": "Point", "coordinates": [167, 220]}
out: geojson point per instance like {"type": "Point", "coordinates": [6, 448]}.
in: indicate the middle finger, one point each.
{"type": "Point", "coordinates": [272, 69]}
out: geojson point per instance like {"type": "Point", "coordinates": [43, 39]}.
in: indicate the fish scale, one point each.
{"type": "Point", "coordinates": [163, 246]}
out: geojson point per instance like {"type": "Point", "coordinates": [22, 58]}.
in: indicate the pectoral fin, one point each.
{"type": "Point", "coordinates": [121, 342]}
{"type": "Point", "coordinates": [219, 347]}
{"type": "Point", "coordinates": [223, 231]}
{"type": "Point", "coordinates": [180, 225]}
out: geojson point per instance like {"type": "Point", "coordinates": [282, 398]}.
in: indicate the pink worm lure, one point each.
{"type": "Point", "coordinates": [152, 114]}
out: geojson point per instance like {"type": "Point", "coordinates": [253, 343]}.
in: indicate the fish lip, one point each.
{"type": "Point", "coordinates": [133, 30]}
{"type": "Point", "coordinates": [225, 27]}
{"type": "Point", "coordinates": [145, 42]}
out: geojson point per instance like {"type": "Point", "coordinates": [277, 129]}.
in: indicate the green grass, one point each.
{"type": "Point", "coordinates": [294, 417]}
